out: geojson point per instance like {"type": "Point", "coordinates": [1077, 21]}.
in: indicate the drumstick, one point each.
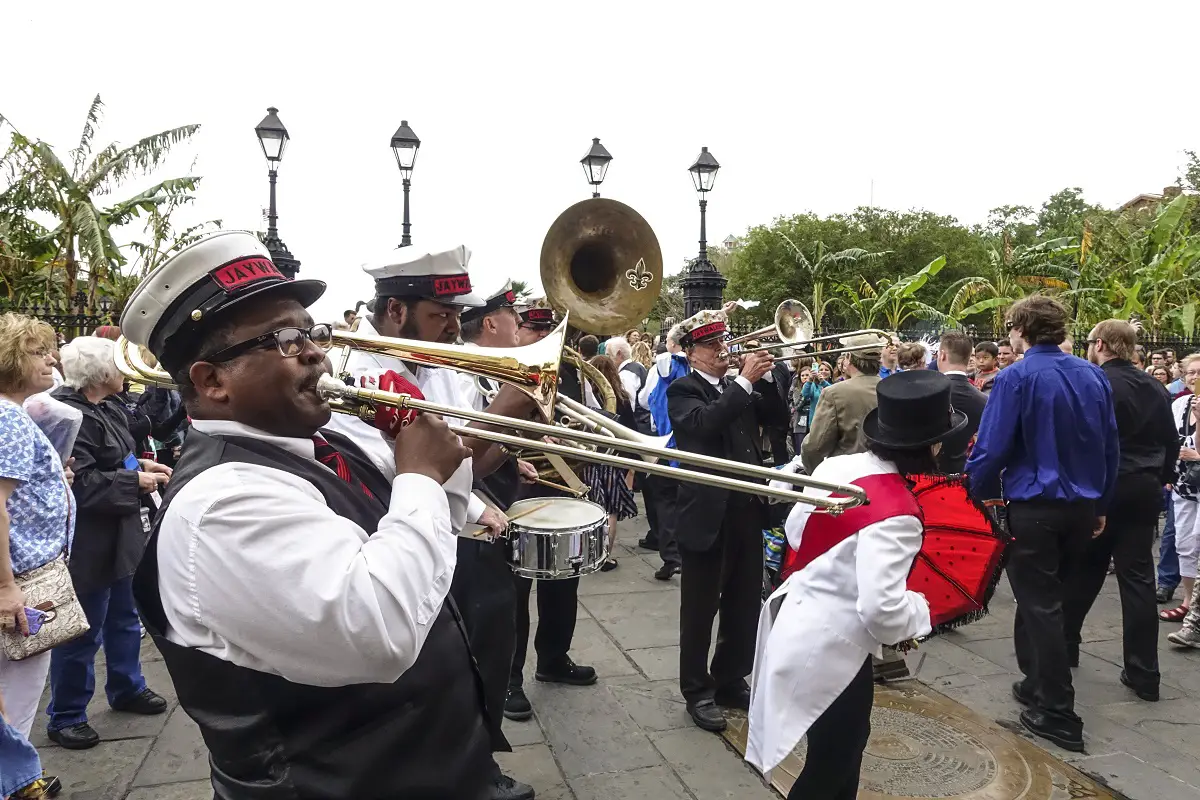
{"type": "Point", "coordinates": [526, 512]}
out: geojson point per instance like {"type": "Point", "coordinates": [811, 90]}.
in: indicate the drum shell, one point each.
{"type": "Point", "coordinates": [545, 553]}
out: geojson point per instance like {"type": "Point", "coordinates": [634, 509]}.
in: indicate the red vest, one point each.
{"type": "Point", "coordinates": [888, 496]}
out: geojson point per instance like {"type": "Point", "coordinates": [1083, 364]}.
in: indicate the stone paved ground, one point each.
{"type": "Point", "coordinates": [628, 737]}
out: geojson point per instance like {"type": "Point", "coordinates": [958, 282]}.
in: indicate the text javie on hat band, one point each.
{"type": "Point", "coordinates": [707, 330]}
{"type": "Point", "coordinates": [539, 315]}
{"type": "Point", "coordinates": [241, 272]}
{"type": "Point", "coordinates": [424, 285]}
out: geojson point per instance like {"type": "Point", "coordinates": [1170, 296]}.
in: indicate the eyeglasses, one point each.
{"type": "Point", "coordinates": [290, 342]}
{"type": "Point", "coordinates": [42, 352]}
{"type": "Point", "coordinates": [1008, 324]}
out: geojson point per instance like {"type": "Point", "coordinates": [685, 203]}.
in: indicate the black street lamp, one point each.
{"type": "Point", "coordinates": [702, 284]}
{"type": "Point", "coordinates": [106, 305]}
{"type": "Point", "coordinates": [405, 145]}
{"type": "Point", "coordinates": [273, 138]}
{"type": "Point", "coordinates": [595, 165]}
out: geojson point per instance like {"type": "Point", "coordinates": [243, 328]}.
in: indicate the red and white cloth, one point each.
{"type": "Point", "coordinates": [846, 599]}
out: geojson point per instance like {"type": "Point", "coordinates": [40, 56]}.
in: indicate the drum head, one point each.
{"type": "Point", "coordinates": [556, 513]}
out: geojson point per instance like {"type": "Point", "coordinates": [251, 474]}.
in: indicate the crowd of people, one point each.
{"type": "Point", "coordinates": [378, 658]}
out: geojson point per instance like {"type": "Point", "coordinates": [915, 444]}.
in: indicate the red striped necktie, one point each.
{"type": "Point", "coordinates": [328, 455]}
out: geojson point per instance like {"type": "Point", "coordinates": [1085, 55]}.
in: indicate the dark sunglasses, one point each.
{"type": "Point", "coordinates": [289, 341]}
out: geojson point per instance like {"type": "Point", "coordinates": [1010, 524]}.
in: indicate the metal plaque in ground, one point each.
{"type": "Point", "coordinates": [925, 745]}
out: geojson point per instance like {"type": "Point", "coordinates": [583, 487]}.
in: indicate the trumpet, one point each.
{"type": "Point", "coordinates": [531, 378]}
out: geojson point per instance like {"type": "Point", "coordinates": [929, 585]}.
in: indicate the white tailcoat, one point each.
{"type": "Point", "coordinates": [816, 630]}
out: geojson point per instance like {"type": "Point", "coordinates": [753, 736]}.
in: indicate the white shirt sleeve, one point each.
{"type": "Point", "coordinates": [630, 383]}
{"type": "Point", "coordinates": [256, 569]}
{"type": "Point", "coordinates": [885, 552]}
{"type": "Point", "coordinates": [745, 384]}
{"type": "Point", "coordinates": [475, 508]}
{"type": "Point", "coordinates": [652, 377]}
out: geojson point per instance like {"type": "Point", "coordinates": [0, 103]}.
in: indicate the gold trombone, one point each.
{"type": "Point", "coordinates": [532, 379]}
{"type": "Point", "coordinates": [794, 327]}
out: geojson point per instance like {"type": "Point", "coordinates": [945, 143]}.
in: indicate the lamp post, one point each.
{"type": "Point", "coordinates": [273, 138]}
{"type": "Point", "coordinates": [595, 165]}
{"type": "Point", "coordinates": [702, 284]}
{"type": "Point", "coordinates": [106, 305]}
{"type": "Point", "coordinates": [405, 145]}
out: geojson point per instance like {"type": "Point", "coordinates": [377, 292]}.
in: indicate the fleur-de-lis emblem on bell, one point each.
{"type": "Point", "coordinates": [639, 277]}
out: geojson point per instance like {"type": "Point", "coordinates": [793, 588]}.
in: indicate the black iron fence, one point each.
{"type": "Point", "coordinates": [68, 319]}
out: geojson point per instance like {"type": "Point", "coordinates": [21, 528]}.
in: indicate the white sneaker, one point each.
{"type": "Point", "coordinates": [1185, 637]}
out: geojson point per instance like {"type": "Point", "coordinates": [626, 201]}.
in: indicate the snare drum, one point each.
{"type": "Point", "coordinates": [565, 538]}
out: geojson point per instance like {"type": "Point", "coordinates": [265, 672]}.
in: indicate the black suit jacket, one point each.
{"type": "Point", "coordinates": [969, 400]}
{"type": "Point", "coordinates": [723, 425]}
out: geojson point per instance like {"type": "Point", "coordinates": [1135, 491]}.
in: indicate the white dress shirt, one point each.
{"type": "Point", "coordinates": [739, 380]}
{"type": "Point", "coordinates": [629, 381]}
{"type": "Point", "coordinates": [256, 569]}
{"type": "Point", "coordinates": [438, 386]}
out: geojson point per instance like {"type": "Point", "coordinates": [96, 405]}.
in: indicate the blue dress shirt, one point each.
{"type": "Point", "coordinates": [1049, 427]}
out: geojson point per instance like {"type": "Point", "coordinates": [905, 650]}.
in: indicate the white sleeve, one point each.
{"type": "Point", "coordinates": [589, 396]}
{"type": "Point", "coordinates": [256, 569]}
{"type": "Point", "coordinates": [630, 383]}
{"type": "Point", "coordinates": [475, 508]}
{"type": "Point", "coordinates": [745, 384]}
{"type": "Point", "coordinates": [885, 554]}
{"type": "Point", "coordinates": [643, 397]}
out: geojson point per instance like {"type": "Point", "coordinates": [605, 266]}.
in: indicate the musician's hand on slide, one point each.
{"type": "Point", "coordinates": [494, 520]}
{"type": "Point", "coordinates": [755, 365]}
{"type": "Point", "coordinates": [1099, 527]}
{"type": "Point", "coordinates": [529, 473]}
{"type": "Point", "coordinates": [427, 447]}
{"type": "Point", "coordinates": [511, 402]}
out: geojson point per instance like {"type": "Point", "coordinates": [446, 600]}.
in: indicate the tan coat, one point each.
{"type": "Point", "coordinates": [836, 420]}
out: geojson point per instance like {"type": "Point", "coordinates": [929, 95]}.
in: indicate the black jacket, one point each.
{"type": "Point", "coordinates": [1149, 441]}
{"type": "Point", "coordinates": [969, 400]}
{"type": "Point", "coordinates": [109, 534]}
{"type": "Point", "coordinates": [720, 424]}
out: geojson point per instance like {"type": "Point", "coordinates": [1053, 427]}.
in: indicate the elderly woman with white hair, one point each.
{"type": "Point", "coordinates": [113, 491]}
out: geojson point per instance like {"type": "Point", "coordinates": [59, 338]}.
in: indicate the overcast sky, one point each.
{"type": "Point", "coordinates": [955, 107]}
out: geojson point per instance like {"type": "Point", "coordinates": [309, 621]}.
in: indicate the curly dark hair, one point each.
{"type": "Point", "coordinates": [1042, 319]}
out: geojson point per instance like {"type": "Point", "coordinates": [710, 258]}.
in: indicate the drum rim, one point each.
{"type": "Point", "coordinates": [520, 526]}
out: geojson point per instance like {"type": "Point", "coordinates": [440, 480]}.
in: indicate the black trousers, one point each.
{"type": "Point", "coordinates": [1128, 541]}
{"type": "Point", "coordinates": [649, 486]}
{"type": "Point", "coordinates": [665, 491]}
{"type": "Point", "coordinates": [836, 742]}
{"type": "Point", "coordinates": [1049, 540]}
{"type": "Point", "coordinates": [486, 597]}
{"type": "Point", "coordinates": [558, 603]}
{"type": "Point", "coordinates": [778, 437]}
{"type": "Point", "coordinates": [728, 579]}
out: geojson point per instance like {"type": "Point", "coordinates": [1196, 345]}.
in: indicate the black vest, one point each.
{"type": "Point", "coordinates": [641, 416]}
{"type": "Point", "coordinates": [422, 737]}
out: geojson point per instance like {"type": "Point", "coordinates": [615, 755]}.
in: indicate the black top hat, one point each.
{"type": "Point", "coordinates": [914, 411]}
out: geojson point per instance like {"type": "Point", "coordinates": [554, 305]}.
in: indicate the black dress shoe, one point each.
{"type": "Point", "coordinates": [1021, 694]}
{"type": "Point", "coordinates": [569, 673]}
{"type": "Point", "coordinates": [1147, 694]}
{"type": "Point", "coordinates": [706, 715]}
{"type": "Point", "coordinates": [505, 788]}
{"type": "Point", "coordinates": [516, 705]}
{"type": "Point", "coordinates": [75, 737]}
{"type": "Point", "coordinates": [665, 572]}
{"type": "Point", "coordinates": [735, 697]}
{"type": "Point", "coordinates": [144, 702]}
{"type": "Point", "coordinates": [1038, 724]}
{"type": "Point", "coordinates": [648, 543]}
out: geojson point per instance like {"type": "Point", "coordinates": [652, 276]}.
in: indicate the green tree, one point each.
{"type": "Point", "coordinates": [75, 192]}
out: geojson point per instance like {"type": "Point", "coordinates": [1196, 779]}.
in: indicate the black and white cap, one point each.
{"type": "Point", "coordinates": [438, 276]}
{"type": "Point", "coordinates": [505, 298]}
{"type": "Point", "coordinates": [172, 310]}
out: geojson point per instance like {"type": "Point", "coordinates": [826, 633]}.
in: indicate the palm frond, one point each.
{"type": "Point", "coordinates": [113, 165]}
{"type": "Point", "coordinates": [79, 154]}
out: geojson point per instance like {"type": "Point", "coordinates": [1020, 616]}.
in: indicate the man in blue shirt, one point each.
{"type": "Point", "coordinates": [1050, 428]}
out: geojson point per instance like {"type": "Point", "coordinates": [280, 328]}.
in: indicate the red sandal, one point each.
{"type": "Point", "coordinates": [1174, 615]}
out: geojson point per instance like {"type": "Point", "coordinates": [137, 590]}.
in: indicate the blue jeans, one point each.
{"type": "Point", "coordinates": [114, 624]}
{"type": "Point", "coordinates": [19, 762]}
{"type": "Point", "coordinates": [1168, 560]}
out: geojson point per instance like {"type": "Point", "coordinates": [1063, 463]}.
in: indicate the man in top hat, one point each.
{"type": "Point", "coordinates": [844, 406]}
{"type": "Point", "coordinates": [845, 593]}
{"type": "Point", "coordinates": [558, 600]}
{"type": "Point", "coordinates": [719, 532]}
{"type": "Point", "coordinates": [299, 597]}
{"type": "Point", "coordinates": [483, 585]}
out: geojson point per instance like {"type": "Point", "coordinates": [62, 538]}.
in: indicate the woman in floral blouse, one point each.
{"type": "Point", "coordinates": [36, 493]}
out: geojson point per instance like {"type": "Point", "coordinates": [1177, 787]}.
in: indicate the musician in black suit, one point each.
{"type": "Point", "coordinates": [954, 353]}
{"type": "Point", "coordinates": [719, 532]}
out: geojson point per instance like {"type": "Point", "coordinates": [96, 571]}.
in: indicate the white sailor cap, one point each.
{"type": "Point", "coordinates": [538, 313]}
{"type": "Point", "coordinates": [174, 307]}
{"type": "Point", "coordinates": [702, 327]}
{"type": "Point", "coordinates": [504, 298]}
{"type": "Point", "coordinates": [438, 276]}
